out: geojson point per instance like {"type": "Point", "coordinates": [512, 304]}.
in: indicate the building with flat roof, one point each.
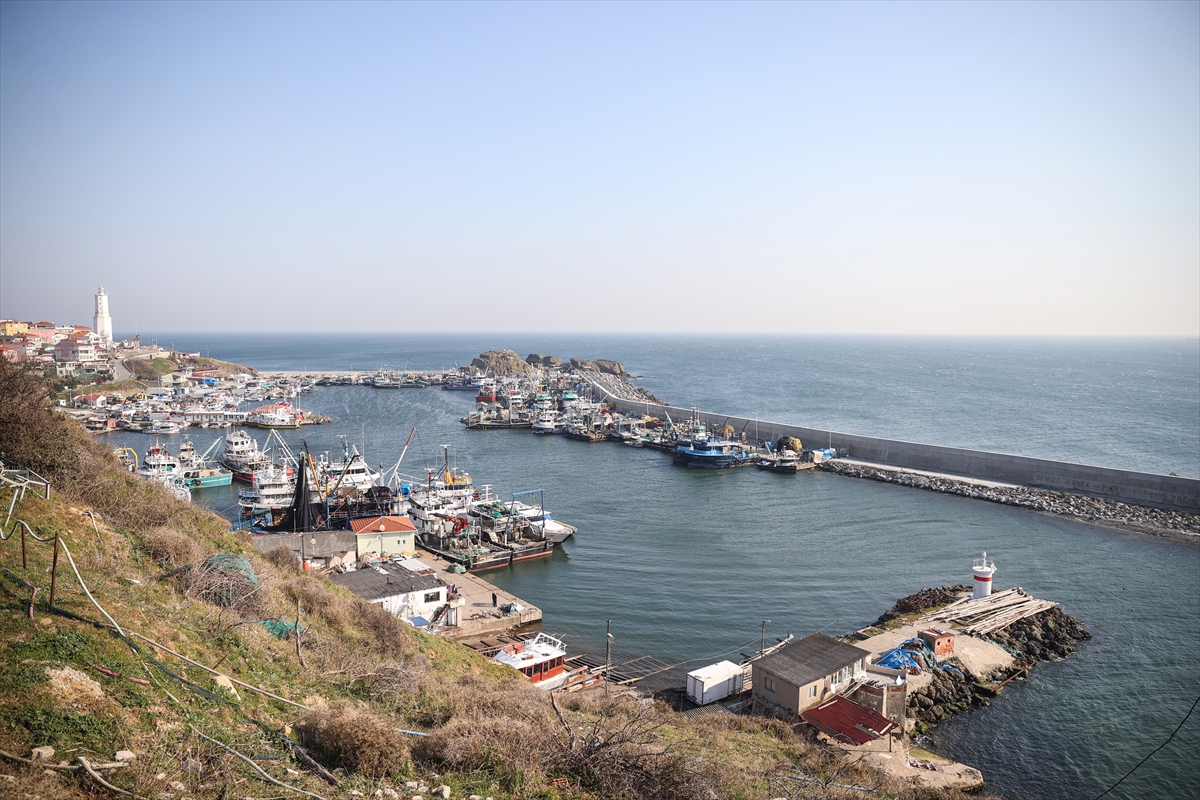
{"type": "Point", "coordinates": [404, 593]}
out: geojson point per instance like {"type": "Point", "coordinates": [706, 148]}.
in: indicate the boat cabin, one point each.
{"type": "Point", "coordinates": [542, 660]}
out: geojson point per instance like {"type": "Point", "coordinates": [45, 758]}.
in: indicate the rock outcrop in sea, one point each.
{"type": "Point", "coordinates": [501, 362]}
{"type": "Point", "coordinates": [603, 365]}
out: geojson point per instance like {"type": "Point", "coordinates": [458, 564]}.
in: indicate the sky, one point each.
{"type": "Point", "coordinates": [914, 168]}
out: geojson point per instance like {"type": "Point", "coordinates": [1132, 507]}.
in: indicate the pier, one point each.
{"type": "Point", "coordinates": [473, 613]}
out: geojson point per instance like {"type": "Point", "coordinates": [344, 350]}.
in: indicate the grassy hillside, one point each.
{"type": "Point", "coordinates": [69, 680]}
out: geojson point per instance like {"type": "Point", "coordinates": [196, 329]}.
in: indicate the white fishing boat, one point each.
{"type": "Point", "coordinates": [349, 475]}
{"type": "Point", "coordinates": [540, 660]}
{"type": "Point", "coordinates": [242, 456]}
{"type": "Point", "coordinates": [276, 415]}
{"type": "Point", "coordinates": [270, 490]}
{"type": "Point", "coordinates": [547, 422]}
{"type": "Point", "coordinates": [158, 463]}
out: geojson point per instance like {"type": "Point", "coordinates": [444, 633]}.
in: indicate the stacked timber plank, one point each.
{"type": "Point", "coordinates": [987, 614]}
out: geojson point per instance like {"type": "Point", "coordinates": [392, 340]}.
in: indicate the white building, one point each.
{"type": "Point", "coordinates": [414, 596]}
{"type": "Point", "coordinates": [102, 322]}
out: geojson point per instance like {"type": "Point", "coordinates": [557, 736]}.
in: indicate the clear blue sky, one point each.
{"type": "Point", "coordinates": [891, 167]}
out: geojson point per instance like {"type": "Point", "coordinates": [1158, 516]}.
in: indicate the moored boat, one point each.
{"type": "Point", "coordinates": [276, 415]}
{"type": "Point", "coordinates": [242, 456]}
{"type": "Point", "coordinates": [541, 660]}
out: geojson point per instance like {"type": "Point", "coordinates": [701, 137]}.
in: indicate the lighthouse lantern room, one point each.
{"type": "Point", "coordinates": [983, 570]}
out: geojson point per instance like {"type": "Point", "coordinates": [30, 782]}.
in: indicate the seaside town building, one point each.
{"type": "Point", "coordinates": [76, 348]}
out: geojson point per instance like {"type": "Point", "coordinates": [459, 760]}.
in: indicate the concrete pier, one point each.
{"type": "Point", "coordinates": [1127, 486]}
{"type": "Point", "coordinates": [472, 612]}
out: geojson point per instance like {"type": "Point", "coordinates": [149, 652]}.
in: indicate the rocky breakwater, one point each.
{"type": "Point", "coordinates": [1110, 513]}
{"type": "Point", "coordinates": [612, 378]}
{"type": "Point", "coordinates": [1048, 635]}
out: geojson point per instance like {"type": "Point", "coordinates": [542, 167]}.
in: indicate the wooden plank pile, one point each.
{"type": "Point", "coordinates": [987, 614]}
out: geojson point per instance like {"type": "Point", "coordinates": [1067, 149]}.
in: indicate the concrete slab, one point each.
{"type": "Point", "coordinates": [978, 656]}
{"type": "Point", "coordinates": [477, 616]}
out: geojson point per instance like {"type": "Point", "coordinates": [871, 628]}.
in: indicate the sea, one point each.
{"type": "Point", "coordinates": [688, 565]}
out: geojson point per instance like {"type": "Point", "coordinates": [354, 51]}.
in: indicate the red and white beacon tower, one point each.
{"type": "Point", "coordinates": [983, 570]}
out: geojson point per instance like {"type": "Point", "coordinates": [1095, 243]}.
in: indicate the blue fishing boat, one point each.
{"type": "Point", "coordinates": [707, 453]}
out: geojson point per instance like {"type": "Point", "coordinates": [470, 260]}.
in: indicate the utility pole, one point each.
{"type": "Point", "coordinates": [607, 652]}
{"type": "Point", "coordinates": [762, 648]}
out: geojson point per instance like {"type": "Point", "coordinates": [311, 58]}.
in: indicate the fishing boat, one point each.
{"type": "Point", "coordinates": [195, 470]}
{"type": "Point", "coordinates": [127, 457]}
{"type": "Point", "coordinates": [786, 462]}
{"type": "Point", "coordinates": [587, 429]}
{"type": "Point", "coordinates": [711, 454]}
{"type": "Point", "coordinates": [270, 490]}
{"type": "Point", "coordinates": [486, 393]}
{"type": "Point", "coordinates": [242, 456]}
{"type": "Point", "coordinates": [348, 476]}
{"type": "Point", "coordinates": [547, 422]}
{"type": "Point", "coordinates": [158, 463]}
{"type": "Point", "coordinates": [162, 426]}
{"type": "Point", "coordinates": [540, 660]}
{"type": "Point", "coordinates": [276, 415]}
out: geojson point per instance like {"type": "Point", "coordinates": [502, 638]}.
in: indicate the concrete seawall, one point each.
{"type": "Point", "coordinates": [1127, 486]}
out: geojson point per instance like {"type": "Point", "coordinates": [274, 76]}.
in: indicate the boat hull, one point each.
{"type": "Point", "coordinates": [209, 481]}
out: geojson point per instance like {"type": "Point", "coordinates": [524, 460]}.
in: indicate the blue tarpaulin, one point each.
{"type": "Point", "coordinates": [911, 653]}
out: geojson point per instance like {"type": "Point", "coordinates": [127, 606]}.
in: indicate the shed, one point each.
{"type": "Point", "coordinates": [402, 593]}
{"type": "Point", "coordinates": [806, 673]}
{"type": "Point", "coordinates": [848, 722]}
{"type": "Point", "coordinates": [709, 684]}
{"type": "Point", "coordinates": [939, 641]}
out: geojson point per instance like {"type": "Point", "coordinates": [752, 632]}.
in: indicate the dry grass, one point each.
{"type": "Point", "coordinates": [224, 588]}
{"type": "Point", "coordinates": [345, 736]}
{"type": "Point", "coordinates": [171, 548]}
{"type": "Point", "coordinates": [286, 559]}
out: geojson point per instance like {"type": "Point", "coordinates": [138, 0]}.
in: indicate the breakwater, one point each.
{"type": "Point", "coordinates": [1143, 519]}
{"type": "Point", "coordinates": [1123, 486]}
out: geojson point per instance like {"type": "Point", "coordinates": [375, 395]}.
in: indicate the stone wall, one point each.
{"type": "Point", "coordinates": [1140, 488]}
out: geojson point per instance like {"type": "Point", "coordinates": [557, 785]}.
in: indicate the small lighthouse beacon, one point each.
{"type": "Point", "coordinates": [983, 570]}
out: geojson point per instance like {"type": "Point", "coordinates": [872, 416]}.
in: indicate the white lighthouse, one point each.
{"type": "Point", "coordinates": [102, 322]}
{"type": "Point", "coordinates": [983, 570]}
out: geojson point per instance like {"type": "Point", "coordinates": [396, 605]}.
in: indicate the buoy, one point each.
{"type": "Point", "coordinates": [983, 576]}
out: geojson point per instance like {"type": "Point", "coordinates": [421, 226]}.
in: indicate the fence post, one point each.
{"type": "Point", "coordinates": [24, 562]}
{"type": "Point", "coordinates": [54, 571]}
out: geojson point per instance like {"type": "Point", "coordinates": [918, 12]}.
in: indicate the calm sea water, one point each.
{"type": "Point", "coordinates": [687, 564]}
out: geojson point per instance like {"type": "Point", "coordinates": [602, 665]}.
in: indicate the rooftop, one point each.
{"type": "Point", "coordinates": [847, 721]}
{"type": "Point", "coordinates": [383, 525]}
{"type": "Point", "coordinates": [388, 580]}
{"type": "Point", "coordinates": [810, 659]}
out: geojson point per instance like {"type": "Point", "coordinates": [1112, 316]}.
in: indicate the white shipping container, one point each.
{"type": "Point", "coordinates": [710, 684]}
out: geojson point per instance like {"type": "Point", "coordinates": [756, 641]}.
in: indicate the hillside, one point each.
{"type": "Point", "coordinates": [213, 703]}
